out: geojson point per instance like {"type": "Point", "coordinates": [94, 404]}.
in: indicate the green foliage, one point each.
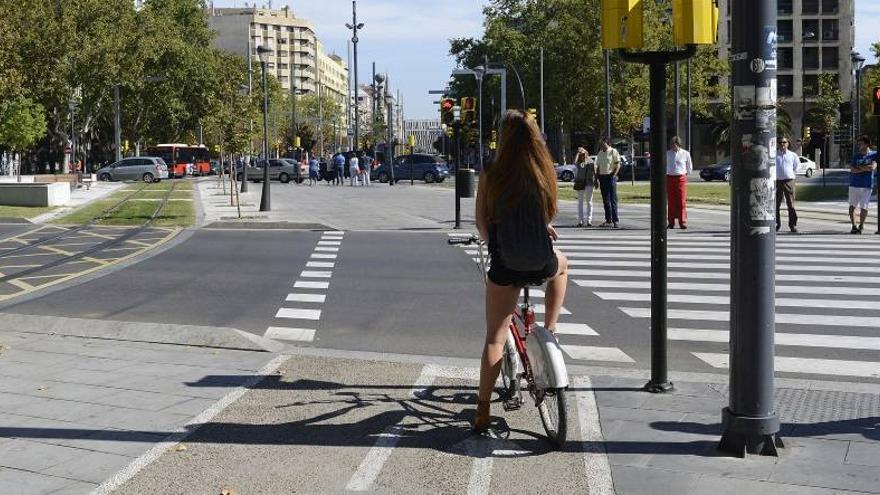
{"type": "Point", "coordinates": [870, 80]}
{"type": "Point", "coordinates": [22, 123]}
{"type": "Point", "coordinates": [828, 103]}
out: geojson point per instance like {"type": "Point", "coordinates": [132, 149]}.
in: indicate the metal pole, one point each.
{"type": "Point", "coordinates": [117, 132]}
{"type": "Point", "coordinates": [354, 41]}
{"type": "Point", "coordinates": [265, 200]}
{"type": "Point", "coordinates": [250, 61]}
{"type": "Point", "coordinates": [858, 112]}
{"type": "Point", "coordinates": [750, 421]}
{"type": "Point", "coordinates": [293, 100]}
{"type": "Point", "coordinates": [689, 124]}
{"type": "Point", "coordinates": [457, 127]}
{"type": "Point", "coordinates": [659, 379]}
{"type": "Point", "coordinates": [542, 90]}
{"type": "Point", "coordinates": [676, 98]}
{"type": "Point", "coordinates": [608, 93]}
{"type": "Point", "coordinates": [480, 114]}
{"type": "Point", "coordinates": [374, 102]}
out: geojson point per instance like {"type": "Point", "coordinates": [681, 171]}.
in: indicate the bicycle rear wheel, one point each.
{"type": "Point", "coordinates": [510, 369]}
{"type": "Point", "coordinates": [554, 415]}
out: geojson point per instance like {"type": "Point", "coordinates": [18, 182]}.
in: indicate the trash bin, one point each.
{"type": "Point", "coordinates": [464, 182]}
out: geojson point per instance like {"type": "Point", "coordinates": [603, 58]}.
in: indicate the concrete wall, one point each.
{"type": "Point", "coordinates": [34, 194]}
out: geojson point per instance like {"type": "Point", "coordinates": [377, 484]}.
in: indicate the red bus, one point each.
{"type": "Point", "coordinates": [183, 158]}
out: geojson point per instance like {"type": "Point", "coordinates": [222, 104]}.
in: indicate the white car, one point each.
{"type": "Point", "coordinates": [806, 167]}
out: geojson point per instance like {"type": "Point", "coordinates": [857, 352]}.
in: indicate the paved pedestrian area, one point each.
{"type": "Point", "coordinates": [74, 410]}
{"type": "Point", "coordinates": [330, 424]}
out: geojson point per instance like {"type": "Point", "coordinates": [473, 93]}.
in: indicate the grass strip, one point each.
{"type": "Point", "coordinates": [24, 211]}
{"type": "Point", "coordinates": [136, 212]}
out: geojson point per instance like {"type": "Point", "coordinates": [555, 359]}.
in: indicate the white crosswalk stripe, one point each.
{"type": "Point", "coordinates": [827, 288]}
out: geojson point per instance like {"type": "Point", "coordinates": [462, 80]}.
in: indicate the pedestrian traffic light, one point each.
{"type": "Point", "coordinates": [468, 110]}
{"type": "Point", "coordinates": [694, 22]}
{"type": "Point", "coordinates": [876, 98]}
{"type": "Point", "coordinates": [297, 142]}
{"type": "Point", "coordinates": [493, 140]}
{"type": "Point", "coordinates": [806, 133]}
{"type": "Point", "coordinates": [446, 115]}
{"type": "Point", "coordinates": [622, 24]}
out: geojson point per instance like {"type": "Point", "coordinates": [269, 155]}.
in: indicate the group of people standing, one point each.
{"type": "Point", "coordinates": [357, 166]}
{"type": "Point", "coordinates": [602, 173]}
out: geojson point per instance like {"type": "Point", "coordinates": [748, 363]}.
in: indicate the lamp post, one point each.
{"type": "Point", "coordinates": [456, 125]}
{"type": "Point", "coordinates": [809, 35]}
{"type": "Point", "coordinates": [858, 63]}
{"type": "Point", "coordinates": [480, 74]}
{"type": "Point", "coordinates": [355, 26]}
{"type": "Point", "coordinates": [263, 52]}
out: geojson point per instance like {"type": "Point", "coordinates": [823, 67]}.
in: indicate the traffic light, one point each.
{"type": "Point", "coordinates": [468, 110]}
{"type": "Point", "coordinates": [493, 140]}
{"type": "Point", "coordinates": [533, 113]}
{"type": "Point", "coordinates": [622, 24]}
{"type": "Point", "coordinates": [806, 133]}
{"type": "Point", "coordinates": [694, 22]}
{"type": "Point", "coordinates": [446, 106]}
{"type": "Point", "coordinates": [875, 97]}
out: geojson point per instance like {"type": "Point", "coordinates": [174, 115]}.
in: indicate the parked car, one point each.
{"type": "Point", "coordinates": [641, 166]}
{"type": "Point", "coordinates": [280, 169]}
{"type": "Point", "coordinates": [145, 168]}
{"type": "Point", "coordinates": [429, 168]}
{"type": "Point", "coordinates": [301, 170]}
{"type": "Point", "coordinates": [566, 171]}
{"type": "Point", "coordinates": [806, 167]}
{"type": "Point", "coordinates": [719, 171]}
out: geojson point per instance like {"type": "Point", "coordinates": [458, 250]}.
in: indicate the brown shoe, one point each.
{"type": "Point", "coordinates": [482, 421]}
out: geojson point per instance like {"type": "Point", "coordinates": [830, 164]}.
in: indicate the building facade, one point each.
{"type": "Point", "coordinates": [813, 37]}
{"type": "Point", "coordinates": [298, 59]}
{"type": "Point", "coordinates": [425, 131]}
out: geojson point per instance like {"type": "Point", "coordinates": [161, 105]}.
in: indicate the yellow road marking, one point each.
{"type": "Point", "coordinates": [96, 260]}
{"type": "Point", "coordinates": [95, 234]}
{"type": "Point", "coordinates": [6, 267]}
{"type": "Point", "coordinates": [27, 288]}
{"type": "Point", "coordinates": [139, 243]}
{"type": "Point", "coordinates": [46, 276]}
{"type": "Point", "coordinates": [57, 251]}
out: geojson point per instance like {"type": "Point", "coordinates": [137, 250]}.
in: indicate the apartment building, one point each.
{"type": "Point", "coordinates": [298, 60]}
{"type": "Point", "coordinates": [425, 132]}
{"type": "Point", "coordinates": [814, 37]}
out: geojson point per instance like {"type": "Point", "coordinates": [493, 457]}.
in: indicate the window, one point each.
{"type": "Point", "coordinates": [784, 31]}
{"type": "Point", "coordinates": [830, 6]}
{"type": "Point", "coordinates": [830, 30]}
{"type": "Point", "coordinates": [784, 7]}
{"type": "Point", "coordinates": [810, 30]}
{"type": "Point", "coordinates": [829, 58]}
{"type": "Point", "coordinates": [283, 66]}
{"type": "Point", "coordinates": [786, 58]}
{"type": "Point", "coordinates": [810, 6]}
{"type": "Point", "coordinates": [785, 86]}
{"type": "Point", "coordinates": [811, 58]}
{"type": "Point", "coordinates": [811, 85]}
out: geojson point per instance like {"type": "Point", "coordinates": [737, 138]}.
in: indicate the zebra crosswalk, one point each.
{"type": "Point", "coordinates": [827, 307]}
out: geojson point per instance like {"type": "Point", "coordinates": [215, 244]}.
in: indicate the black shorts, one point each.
{"type": "Point", "coordinates": [501, 275]}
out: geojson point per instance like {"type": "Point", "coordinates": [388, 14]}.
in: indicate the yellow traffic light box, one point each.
{"type": "Point", "coordinates": [622, 22]}
{"type": "Point", "coordinates": [694, 22]}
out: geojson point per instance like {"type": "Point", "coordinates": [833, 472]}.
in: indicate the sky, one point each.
{"type": "Point", "coordinates": [409, 39]}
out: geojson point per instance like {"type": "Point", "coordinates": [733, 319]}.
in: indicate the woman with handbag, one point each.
{"type": "Point", "coordinates": [584, 183]}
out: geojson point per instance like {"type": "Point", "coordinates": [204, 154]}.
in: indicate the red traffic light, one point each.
{"type": "Point", "coordinates": [446, 104]}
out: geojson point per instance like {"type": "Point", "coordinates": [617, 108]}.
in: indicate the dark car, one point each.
{"type": "Point", "coordinates": [429, 168]}
{"type": "Point", "coordinates": [719, 171]}
{"type": "Point", "coordinates": [641, 166]}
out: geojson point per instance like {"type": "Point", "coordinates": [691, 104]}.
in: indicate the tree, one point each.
{"type": "Point", "coordinates": [870, 80]}
{"type": "Point", "coordinates": [22, 123]}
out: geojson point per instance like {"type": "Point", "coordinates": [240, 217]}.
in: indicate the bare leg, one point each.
{"type": "Point", "coordinates": [500, 302]}
{"type": "Point", "coordinates": [555, 295]}
{"type": "Point", "coordinates": [863, 215]}
{"type": "Point", "coordinates": [852, 216]}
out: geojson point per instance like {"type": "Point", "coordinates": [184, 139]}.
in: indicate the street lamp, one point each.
{"type": "Point", "coordinates": [355, 26]}
{"type": "Point", "coordinates": [858, 62]}
{"type": "Point", "coordinates": [263, 52]}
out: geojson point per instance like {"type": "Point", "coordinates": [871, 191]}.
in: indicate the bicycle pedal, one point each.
{"type": "Point", "coordinates": [512, 404]}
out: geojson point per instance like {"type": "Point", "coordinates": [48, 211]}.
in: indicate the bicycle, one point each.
{"type": "Point", "coordinates": [531, 356]}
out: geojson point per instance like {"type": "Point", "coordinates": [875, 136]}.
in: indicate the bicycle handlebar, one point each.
{"type": "Point", "coordinates": [473, 239]}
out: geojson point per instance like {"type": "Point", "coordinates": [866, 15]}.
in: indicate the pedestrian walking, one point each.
{"type": "Point", "coordinates": [340, 169]}
{"type": "Point", "coordinates": [584, 183]}
{"type": "Point", "coordinates": [608, 165]}
{"type": "Point", "coordinates": [786, 172]}
{"type": "Point", "coordinates": [861, 183]}
{"type": "Point", "coordinates": [314, 167]}
{"type": "Point", "coordinates": [516, 203]}
{"type": "Point", "coordinates": [678, 166]}
{"type": "Point", "coordinates": [331, 170]}
{"type": "Point", "coordinates": [366, 164]}
{"type": "Point", "coordinates": [354, 171]}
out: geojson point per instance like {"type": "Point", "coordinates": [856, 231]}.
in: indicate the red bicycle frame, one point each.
{"type": "Point", "coordinates": [525, 314]}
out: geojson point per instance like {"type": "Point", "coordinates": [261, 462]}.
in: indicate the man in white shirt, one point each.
{"type": "Point", "coordinates": [354, 170]}
{"type": "Point", "coordinates": [786, 172]}
{"type": "Point", "coordinates": [678, 166]}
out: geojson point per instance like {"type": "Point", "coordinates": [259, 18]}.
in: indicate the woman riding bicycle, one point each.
{"type": "Point", "coordinates": [516, 203]}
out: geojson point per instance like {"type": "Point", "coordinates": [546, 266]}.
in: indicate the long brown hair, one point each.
{"type": "Point", "coordinates": [522, 169]}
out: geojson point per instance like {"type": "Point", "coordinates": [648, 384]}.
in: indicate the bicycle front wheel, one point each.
{"type": "Point", "coordinates": [554, 415]}
{"type": "Point", "coordinates": [510, 369]}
